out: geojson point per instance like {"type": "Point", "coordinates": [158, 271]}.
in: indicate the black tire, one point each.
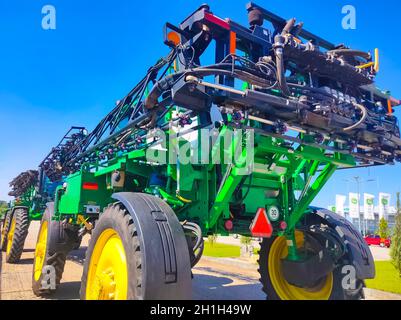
{"type": "Point", "coordinates": [21, 217]}
{"type": "Point", "coordinates": [77, 245]}
{"type": "Point", "coordinates": [4, 231]}
{"type": "Point", "coordinates": [337, 292]}
{"type": "Point", "coordinates": [58, 245]}
{"type": "Point", "coordinates": [142, 235]}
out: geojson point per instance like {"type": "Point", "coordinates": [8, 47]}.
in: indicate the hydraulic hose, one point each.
{"type": "Point", "coordinates": [364, 115]}
{"type": "Point", "coordinates": [159, 87]}
{"type": "Point", "coordinates": [197, 249]}
{"type": "Point", "coordinates": [278, 51]}
{"type": "Point", "coordinates": [240, 72]}
{"type": "Point", "coordinates": [311, 89]}
{"type": "Point", "coordinates": [348, 52]}
{"type": "Point", "coordinates": [288, 27]}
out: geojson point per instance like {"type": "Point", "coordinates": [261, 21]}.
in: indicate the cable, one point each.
{"type": "Point", "coordinates": [364, 115]}
{"type": "Point", "coordinates": [183, 199]}
{"type": "Point", "coordinates": [198, 247]}
{"type": "Point", "coordinates": [247, 191]}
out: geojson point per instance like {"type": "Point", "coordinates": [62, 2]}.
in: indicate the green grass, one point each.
{"type": "Point", "coordinates": [387, 278]}
{"type": "Point", "coordinates": [220, 250]}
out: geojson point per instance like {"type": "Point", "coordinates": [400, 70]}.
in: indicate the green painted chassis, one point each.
{"type": "Point", "coordinates": [282, 176]}
{"type": "Point", "coordinates": [29, 200]}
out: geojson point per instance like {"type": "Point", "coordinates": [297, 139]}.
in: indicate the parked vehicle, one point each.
{"type": "Point", "coordinates": [376, 240]}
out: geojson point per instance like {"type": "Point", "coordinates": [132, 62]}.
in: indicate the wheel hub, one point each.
{"type": "Point", "coordinates": [321, 291]}
{"type": "Point", "coordinates": [106, 285]}
{"type": "Point", "coordinates": [107, 274]}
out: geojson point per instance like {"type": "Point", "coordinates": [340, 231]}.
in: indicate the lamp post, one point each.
{"type": "Point", "coordinates": [358, 182]}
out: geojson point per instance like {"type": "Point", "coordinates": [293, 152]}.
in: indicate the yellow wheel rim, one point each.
{"type": "Point", "coordinates": [284, 290]}
{"type": "Point", "coordinates": [10, 235]}
{"type": "Point", "coordinates": [40, 251]}
{"type": "Point", "coordinates": [107, 274]}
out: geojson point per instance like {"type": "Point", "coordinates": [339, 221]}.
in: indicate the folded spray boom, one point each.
{"type": "Point", "coordinates": [283, 76]}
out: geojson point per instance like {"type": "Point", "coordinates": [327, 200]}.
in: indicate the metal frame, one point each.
{"type": "Point", "coordinates": [296, 164]}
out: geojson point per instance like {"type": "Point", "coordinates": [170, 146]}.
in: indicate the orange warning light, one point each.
{"type": "Point", "coordinates": [174, 38]}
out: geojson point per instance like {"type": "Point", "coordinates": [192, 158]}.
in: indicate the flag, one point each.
{"type": "Point", "coordinates": [340, 202]}
{"type": "Point", "coordinates": [368, 206]}
{"type": "Point", "coordinates": [353, 205]}
{"type": "Point", "coordinates": [384, 204]}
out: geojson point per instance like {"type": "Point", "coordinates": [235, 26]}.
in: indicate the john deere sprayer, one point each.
{"type": "Point", "coordinates": [235, 131]}
{"type": "Point", "coordinates": [32, 190]}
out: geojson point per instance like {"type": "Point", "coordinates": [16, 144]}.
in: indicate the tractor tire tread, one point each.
{"type": "Point", "coordinates": [20, 234]}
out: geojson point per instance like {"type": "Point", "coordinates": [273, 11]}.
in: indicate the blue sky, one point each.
{"type": "Point", "coordinates": [50, 80]}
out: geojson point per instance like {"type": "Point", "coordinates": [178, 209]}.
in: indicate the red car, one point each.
{"type": "Point", "coordinates": [377, 241]}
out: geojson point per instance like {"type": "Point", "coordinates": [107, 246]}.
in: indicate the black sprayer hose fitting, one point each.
{"type": "Point", "coordinates": [278, 50]}
{"type": "Point", "coordinates": [159, 87]}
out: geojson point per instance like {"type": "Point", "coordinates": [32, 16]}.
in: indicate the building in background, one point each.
{"type": "Point", "coordinates": [369, 226]}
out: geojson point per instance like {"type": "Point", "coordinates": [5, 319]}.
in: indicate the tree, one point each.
{"type": "Point", "coordinates": [3, 208]}
{"type": "Point", "coordinates": [383, 228]}
{"type": "Point", "coordinates": [395, 249]}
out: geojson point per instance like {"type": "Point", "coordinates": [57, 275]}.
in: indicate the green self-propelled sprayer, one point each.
{"type": "Point", "coordinates": [236, 130]}
{"type": "Point", "coordinates": [32, 190]}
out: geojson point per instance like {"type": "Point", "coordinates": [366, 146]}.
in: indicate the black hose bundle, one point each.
{"type": "Point", "coordinates": [279, 52]}
{"type": "Point", "coordinates": [279, 43]}
{"type": "Point", "coordinates": [261, 74]}
{"type": "Point", "coordinates": [193, 231]}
